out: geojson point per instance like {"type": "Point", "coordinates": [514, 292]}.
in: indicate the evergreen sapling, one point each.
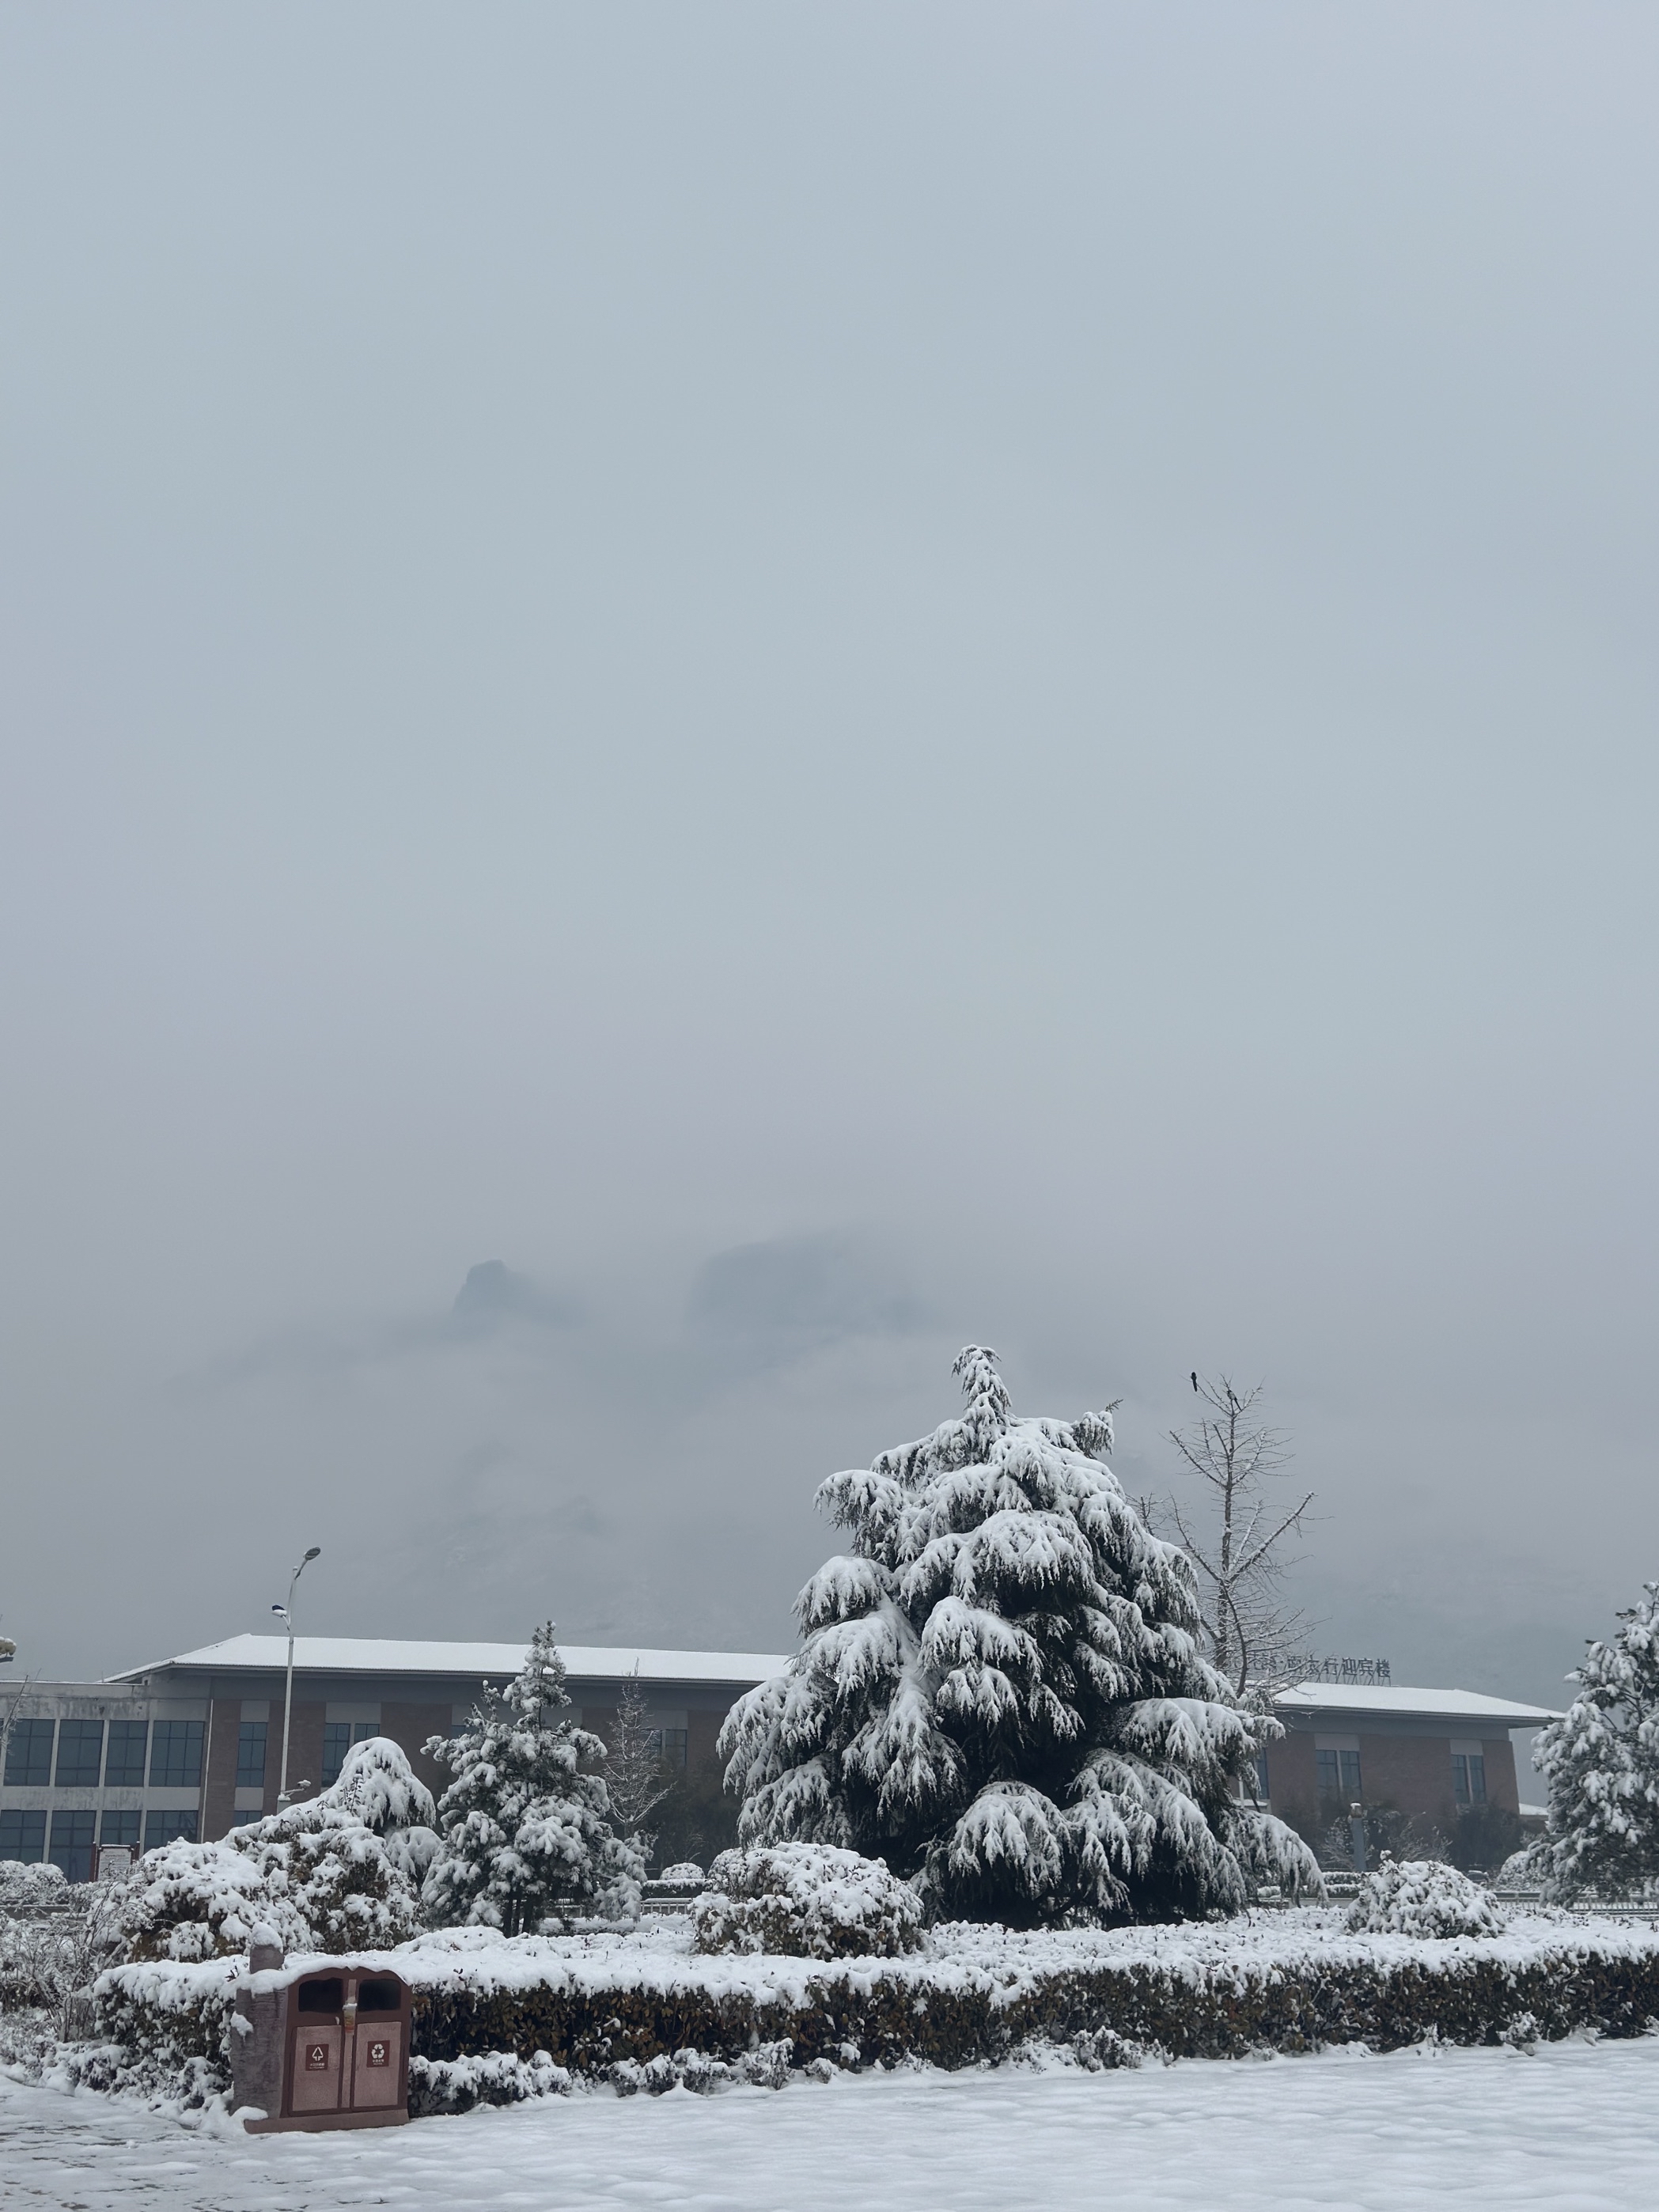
{"type": "Point", "coordinates": [525, 1825]}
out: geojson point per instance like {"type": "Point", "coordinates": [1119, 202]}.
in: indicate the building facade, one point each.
{"type": "Point", "coordinates": [192, 1746]}
{"type": "Point", "coordinates": [1433, 1754]}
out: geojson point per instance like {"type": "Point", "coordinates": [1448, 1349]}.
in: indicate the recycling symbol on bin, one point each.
{"type": "Point", "coordinates": [377, 2054]}
{"type": "Point", "coordinates": [316, 2058]}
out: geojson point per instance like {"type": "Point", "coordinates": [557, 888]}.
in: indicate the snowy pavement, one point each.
{"type": "Point", "coordinates": [1575, 2126]}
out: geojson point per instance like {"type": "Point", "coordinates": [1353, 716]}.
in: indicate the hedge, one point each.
{"type": "Point", "coordinates": [972, 1997]}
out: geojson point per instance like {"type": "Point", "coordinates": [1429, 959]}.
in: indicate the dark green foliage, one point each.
{"type": "Point", "coordinates": [1483, 1837]}
{"type": "Point", "coordinates": [890, 2014]}
{"type": "Point", "coordinates": [697, 1819]}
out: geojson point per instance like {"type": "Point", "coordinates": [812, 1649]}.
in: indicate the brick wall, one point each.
{"type": "Point", "coordinates": [409, 1725]}
{"type": "Point", "coordinates": [305, 1747]}
{"type": "Point", "coordinates": [1412, 1772]}
{"type": "Point", "coordinates": [219, 1782]}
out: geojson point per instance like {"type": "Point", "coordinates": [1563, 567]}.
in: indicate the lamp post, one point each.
{"type": "Point", "coordinates": [286, 1614]}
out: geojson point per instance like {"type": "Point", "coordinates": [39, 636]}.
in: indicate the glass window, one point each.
{"type": "Point", "coordinates": [118, 1828]}
{"type": "Point", "coordinates": [361, 1730]}
{"type": "Point", "coordinates": [1261, 1777]}
{"type": "Point", "coordinates": [71, 1842]}
{"type": "Point", "coordinates": [337, 1741]}
{"type": "Point", "coordinates": [1469, 1777]}
{"type": "Point", "coordinates": [28, 1753]}
{"type": "Point", "coordinates": [168, 1827]}
{"type": "Point", "coordinates": [1339, 1775]}
{"type": "Point", "coordinates": [23, 1836]}
{"type": "Point", "coordinates": [176, 1756]}
{"type": "Point", "coordinates": [251, 1754]}
{"type": "Point", "coordinates": [80, 1754]}
{"type": "Point", "coordinates": [669, 1744]}
{"type": "Point", "coordinates": [129, 1742]}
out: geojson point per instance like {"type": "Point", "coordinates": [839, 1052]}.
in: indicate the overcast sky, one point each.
{"type": "Point", "coordinates": [833, 679]}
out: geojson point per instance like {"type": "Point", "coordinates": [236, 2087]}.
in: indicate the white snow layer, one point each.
{"type": "Point", "coordinates": [1573, 2128]}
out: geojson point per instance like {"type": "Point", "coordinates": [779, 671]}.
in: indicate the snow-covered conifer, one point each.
{"type": "Point", "coordinates": [339, 1871]}
{"type": "Point", "coordinates": [1000, 1692]}
{"type": "Point", "coordinates": [1602, 1761]}
{"type": "Point", "coordinates": [525, 1828]}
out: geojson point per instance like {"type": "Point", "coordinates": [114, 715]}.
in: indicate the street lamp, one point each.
{"type": "Point", "coordinates": [285, 1612]}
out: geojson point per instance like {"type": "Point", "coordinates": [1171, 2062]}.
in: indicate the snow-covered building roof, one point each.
{"type": "Point", "coordinates": [1397, 1702]}
{"type": "Point", "coordinates": [375, 1654]}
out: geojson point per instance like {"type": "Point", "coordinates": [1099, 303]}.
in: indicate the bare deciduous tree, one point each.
{"type": "Point", "coordinates": [633, 1772]}
{"type": "Point", "coordinates": [1243, 1561]}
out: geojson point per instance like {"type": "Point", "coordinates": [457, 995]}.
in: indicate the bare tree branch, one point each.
{"type": "Point", "coordinates": [1246, 1627]}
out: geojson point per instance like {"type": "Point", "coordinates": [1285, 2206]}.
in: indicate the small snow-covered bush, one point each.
{"type": "Point", "coordinates": [26, 1888]}
{"type": "Point", "coordinates": [338, 1872]}
{"type": "Point", "coordinates": [490, 2077]}
{"type": "Point", "coordinates": [810, 1900]}
{"type": "Point", "coordinates": [686, 1875]}
{"type": "Point", "coordinates": [1424, 1897]}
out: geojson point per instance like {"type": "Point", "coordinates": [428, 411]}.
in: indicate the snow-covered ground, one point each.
{"type": "Point", "coordinates": [1572, 2128]}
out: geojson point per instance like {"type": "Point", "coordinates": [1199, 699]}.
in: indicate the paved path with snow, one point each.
{"type": "Point", "coordinates": [1573, 2128]}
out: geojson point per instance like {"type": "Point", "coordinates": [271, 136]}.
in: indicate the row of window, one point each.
{"type": "Point", "coordinates": [121, 1754]}
{"type": "Point", "coordinates": [25, 1835]}
{"type": "Point", "coordinates": [1339, 1776]}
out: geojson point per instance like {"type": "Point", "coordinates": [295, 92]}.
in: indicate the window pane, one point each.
{"type": "Point", "coordinates": [1351, 1788]}
{"type": "Point", "coordinates": [1262, 1775]}
{"type": "Point", "coordinates": [28, 1752]}
{"type": "Point", "coordinates": [129, 1741]}
{"type": "Point", "coordinates": [251, 1754]}
{"type": "Point", "coordinates": [167, 1827]}
{"type": "Point", "coordinates": [1329, 1783]}
{"type": "Point", "coordinates": [71, 1843]}
{"type": "Point", "coordinates": [1478, 1778]}
{"type": "Point", "coordinates": [176, 1756]}
{"type": "Point", "coordinates": [673, 1746]}
{"type": "Point", "coordinates": [80, 1754]}
{"type": "Point", "coordinates": [337, 1741]}
{"type": "Point", "coordinates": [361, 1730]}
{"type": "Point", "coordinates": [23, 1836]}
{"type": "Point", "coordinates": [118, 1828]}
{"type": "Point", "coordinates": [1460, 1778]}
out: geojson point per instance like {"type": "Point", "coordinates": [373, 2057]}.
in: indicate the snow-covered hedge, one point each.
{"type": "Point", "coordinates": [808, 1901]}
{"type": "Point", "coordinates": [649, 2003]}
{"type": "Point", "coordinates": [1422, 1897]}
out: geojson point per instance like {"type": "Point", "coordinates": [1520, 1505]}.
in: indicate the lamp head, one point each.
{"type": "Point", "coordinates": [315, 1553]}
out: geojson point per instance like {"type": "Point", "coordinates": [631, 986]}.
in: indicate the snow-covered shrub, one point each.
{"type": "Point", "coordinates": [525, 1832]}
{"type": "Point", "coordinates": [338, 1872]}
{"type": "Point", "coordinates": [52, 1949]}
{"type": "Point", "coordinates": [490, 2077]}
{"type": "Point", "coordinates": [810, 1900]}
{"type": "Point", "coordinates": [1601, 1759]}
{"type": "Point", "coordinates": [25, 1888]}
{"type": "Point", "coordinates": [1424, 1898]}
{"type": "Point", "coordinates": [767, 2067]}
{"type": "Point", "coordinates": [1000, 1690]}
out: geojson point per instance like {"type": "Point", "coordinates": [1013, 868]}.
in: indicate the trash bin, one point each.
{"type": "Point", "coordinates": [329, 2049]}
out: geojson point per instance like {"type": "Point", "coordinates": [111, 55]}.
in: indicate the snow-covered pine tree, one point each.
{"type": "Point", "coordinates": [1602, 1761]}
{"type": "Point", "coordinates": [525, 1828]}
{"type": "Point", "coordinates": [999, 1690]}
